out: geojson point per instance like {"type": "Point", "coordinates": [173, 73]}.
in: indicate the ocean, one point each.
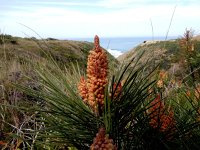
{"type": "Point", "coordinates": [118, 45]}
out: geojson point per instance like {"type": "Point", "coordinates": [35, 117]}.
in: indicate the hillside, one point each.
{"type": "Point", "coordinates": [167, 54]}
{"type": "Point", "coordinates": [17, 56]}
{"type": "Point", "coordinates": [63, 51]}
{"type": "Point", "coordinates": [197, 37]}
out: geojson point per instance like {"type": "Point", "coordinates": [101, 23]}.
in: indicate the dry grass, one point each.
{"type": "Point", "coordinates": [197, 38]}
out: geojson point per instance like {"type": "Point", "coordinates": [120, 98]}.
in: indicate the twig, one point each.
{"type": "Point", "coordinates": [170, 22]}
{"type": "Point", "coordinates": [190, 73]}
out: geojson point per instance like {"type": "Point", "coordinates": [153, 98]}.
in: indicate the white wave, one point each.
{"type": "Point", "coordinates": [114, 52]}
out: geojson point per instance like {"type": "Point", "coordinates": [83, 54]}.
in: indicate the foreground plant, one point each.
{"type": "Point", "coordinates": [101, 110]}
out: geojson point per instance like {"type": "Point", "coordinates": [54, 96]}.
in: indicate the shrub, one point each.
{"type": "Point", "coordinates": [120, 110]}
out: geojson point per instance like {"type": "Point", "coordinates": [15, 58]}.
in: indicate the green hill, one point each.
{"type": "Point", "coordinates": [167, 54]}
{"type": "Point", "coordinates": [63, 51]}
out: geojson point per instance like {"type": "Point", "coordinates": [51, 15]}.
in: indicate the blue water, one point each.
{"type": "Point", "coordinates": [118, 45]}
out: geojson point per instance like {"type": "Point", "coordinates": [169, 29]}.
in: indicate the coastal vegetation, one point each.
{"type": "Point", "coordinates": [75, 95]}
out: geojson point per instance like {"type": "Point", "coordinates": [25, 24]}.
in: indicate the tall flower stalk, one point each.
{"type": "Point", "coordinates": [187, 45]}
{"type": "Point", "coordinates": [92, 89]}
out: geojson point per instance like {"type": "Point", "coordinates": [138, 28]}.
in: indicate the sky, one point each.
{"type": "Point", "coordinates": [107, 18]}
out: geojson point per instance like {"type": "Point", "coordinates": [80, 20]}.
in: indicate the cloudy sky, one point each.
{"type": "Point", "coordinates": [107, 18]}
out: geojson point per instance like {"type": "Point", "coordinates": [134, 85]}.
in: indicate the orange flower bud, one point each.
{"type": "Point", "coordinates": [82, 87]}
{"type": "Point", "coordinates": [160, 84]}
{"type": "Point", "coordinates": [117, 89]}
{"type": "Point", "coordinates": [159, 119]}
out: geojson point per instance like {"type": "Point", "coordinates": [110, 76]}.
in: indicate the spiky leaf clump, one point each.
{"type": "Point", "coordinates": [127, 112]}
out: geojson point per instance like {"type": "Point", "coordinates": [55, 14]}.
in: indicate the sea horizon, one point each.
{"type": "Point", "coordinates": [119, 45]}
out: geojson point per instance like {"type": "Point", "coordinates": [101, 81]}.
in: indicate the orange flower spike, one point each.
{"type": "Point", "coordinates": [157, 105]}
{"type": "Point", "coordinates": [163, 74]}
{"type": "Point", "coordinates": [159, 118]}
{"type": "Point", "coordinates": [83, 91]}
{"type": "Point", "coordinates": [2, 143]}
{"type": "Point", "coordinates": [102, 141]}
{"type": "Point", "coordinates": [97, 71]}
{"type": "Point", "coordinates": [117, 89]}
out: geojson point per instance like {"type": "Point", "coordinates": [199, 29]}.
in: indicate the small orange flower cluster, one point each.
{"type": "Point", "coordinates": [163, 74]}
{"type": "Point", "coordinates": [117, 89]}
{"type": "Point", "coordinates": [160, 83]}
{"type": "Point", "coordinates": [83, 91]}
{"type": "Point", "coordinates": [197, 92]}
{"type": "Point", "coordinates": [2, 143]}
{"type": "Point", "coordinates": [186, 45]}
{"type": "Point", "coordinates": [102, 141]}
{"type": "Point", "coordinates": [162, 77]}
{"type": "Point", "coordinates": [92, 90]}
{"type": "Point", "coordinates": [186, 41]}
{"type": "Point", "coordinates": [194, 94]}
{"type": "Point", "coordinates": [188, 93]}
{"type": "Point", "coordinates": [159, 119]}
